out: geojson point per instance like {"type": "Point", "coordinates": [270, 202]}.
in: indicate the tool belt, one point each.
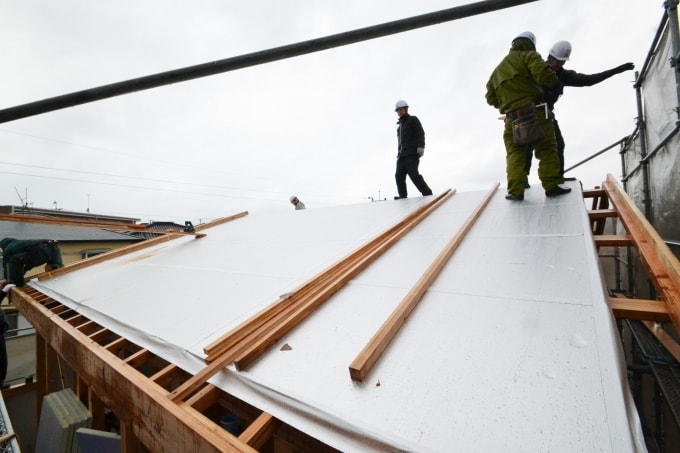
{"type": "Point", "coordinates": [526, 130]}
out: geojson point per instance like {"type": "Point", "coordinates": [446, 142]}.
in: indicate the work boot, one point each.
{"type": "Point", "coordinates": [557, 191]}
{"type": "Point", "coordinates": [397, 197]}
{"type": "Point", "coordinates": [514, 197]}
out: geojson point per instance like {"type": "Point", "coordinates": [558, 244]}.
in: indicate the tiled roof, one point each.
{"type": "Point", "coordinates": [63, 233]}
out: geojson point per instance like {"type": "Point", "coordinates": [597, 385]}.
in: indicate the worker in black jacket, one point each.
{"type": "Point", "coordinates": [558, 55]}
{"type": "Point", "coordinates": [410, 148]}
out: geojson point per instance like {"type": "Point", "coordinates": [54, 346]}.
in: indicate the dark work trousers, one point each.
{"type": "Point", "coordinates": [560, 151]}
{"type": "Point", "coordinates": [408, 165]}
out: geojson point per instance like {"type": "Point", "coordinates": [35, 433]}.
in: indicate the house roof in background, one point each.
{"type": "Point", "coordinates": [61, 233]}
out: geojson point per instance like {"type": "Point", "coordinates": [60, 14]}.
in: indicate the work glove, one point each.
{"type": "Point", "coordinates": [626, 67]}
{"type": "Point", "coordinates": [7, 287]}
{"type": "Point", "coordinates": [420, 151]}
{"type": "Point", "coordinates": [4, 289]}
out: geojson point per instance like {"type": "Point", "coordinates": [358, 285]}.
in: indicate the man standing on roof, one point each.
{"type": "Point", "coordinates": [297, 203]}
{"type": "Point", "coordinates": [410, 148]}
{"type": "Point", "coordinates": [515, 89]}
{"type": "Point", "coordinates": [20, 256]}
{"type": "Point", "coordinates": [558, 55]}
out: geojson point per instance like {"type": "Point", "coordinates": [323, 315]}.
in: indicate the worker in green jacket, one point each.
{"type": "Point", "coordinates": [514, 88]}
{"type": "Point", "coordinates": [20, 256]}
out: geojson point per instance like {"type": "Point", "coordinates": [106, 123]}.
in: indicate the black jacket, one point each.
{"type": "Point", "coordinates": [569, 78]}
{"type": "Point", "coordinates": [410, 136]}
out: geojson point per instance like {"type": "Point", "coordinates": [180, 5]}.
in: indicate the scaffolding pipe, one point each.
{"type": "Point", "coordinates": [672, 13]}
{"type": "Point", "coordinates": [652, 51]}
{"type": "Point", "coordinates": [658, 148]}
{"type": "Point", "coordinates": [597, 154]}
{"type": "Point", "coordinates": [253, 59]}
{"type": "Point", "coordinates": [644, 164]}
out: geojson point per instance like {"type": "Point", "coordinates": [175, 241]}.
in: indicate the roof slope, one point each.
{"type": "Point", "coordinates": [512, 348]}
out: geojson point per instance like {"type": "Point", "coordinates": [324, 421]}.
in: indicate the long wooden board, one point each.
{"type": "Point", "coordinates": [368, 357]}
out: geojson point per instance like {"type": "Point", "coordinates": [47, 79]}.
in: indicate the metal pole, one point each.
{"type": "Point", "coordinates": [673, 31]}
{"type": "Point", "coordinates": [596, 154]}
{"type": "Point", "coordinates": [253, 59]}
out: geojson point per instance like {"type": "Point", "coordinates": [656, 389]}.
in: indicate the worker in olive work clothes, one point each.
{"type": "Point", "coordinates": [410, 148]}
{"type": "Point", "coordinates": [514, 88]}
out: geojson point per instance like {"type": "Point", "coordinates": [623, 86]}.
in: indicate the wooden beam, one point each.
{"type": "Point", "coordinates": [368, 357]}
{"type": "Point", "coordinates": [143, 406]}
{"type": "Point", "coordinates": [594, 193]}
{"type": "Point", "coordinates": [602, 214]}
{"type": "Point", "coordinates": [166, 375]}
{"type": "Point", "coordinates": [639, 309]}
{"type": "Point", "coordinates": [662, 265]}
{"type": "Point", "coordinates": [220, 221]}
{"type": "Point", "coordinates": [204, 398]}
{"type": "Point", "coordinates": [260, 431]}
{"type": "Point", "coordinates": [138, 358]}
{"type": "Point", "coordinates": [613, 240]}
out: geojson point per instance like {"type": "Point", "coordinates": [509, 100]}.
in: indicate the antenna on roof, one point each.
{"type": "Point", "coordinates": [24, 201]}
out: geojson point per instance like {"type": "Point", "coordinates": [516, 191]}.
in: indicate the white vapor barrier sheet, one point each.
{"type": "Point", "coordinates": [513, 347]}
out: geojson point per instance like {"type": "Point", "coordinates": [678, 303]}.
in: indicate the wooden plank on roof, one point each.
{"type": "Point", "coordinates": [244, 343]}
{"type": "Point", "coordinates": [165, 237]}
{"type": "Point", "coordinates": [639, 309]}
{"type": "Point", "coordinates": [320, 281]}
{"type": "Point", "coordinates": [334, 281]}
{"type": "Point", "coordinates": [662, 265]}
{"type": "Point", "coordinates": [368, 357]}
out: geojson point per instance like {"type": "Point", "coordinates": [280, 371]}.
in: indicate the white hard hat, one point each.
{"type": "Point", "coordinates": [526, 35]}
{"type": "Point", "coordinates": [293, 198]}
{"type": "Point", "coordinates": [561, 50]}
{"type": "Point", "coordinates": [400, 104]}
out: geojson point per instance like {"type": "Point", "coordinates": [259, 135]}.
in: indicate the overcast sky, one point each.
{"type": "Point", "coordinates": [321, 126]}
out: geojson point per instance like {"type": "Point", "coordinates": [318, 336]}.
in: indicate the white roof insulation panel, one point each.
{"type": "Point", "coordinates": [512, 348]}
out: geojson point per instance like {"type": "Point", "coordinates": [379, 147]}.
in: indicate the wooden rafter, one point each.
{"type": "Point", "coordinates": [639, 309]}
{"type": "Point", "coordinates": [149, 415]}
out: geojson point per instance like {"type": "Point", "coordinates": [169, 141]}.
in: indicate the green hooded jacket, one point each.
{"type": "Point", "coordinates": [517, 80]}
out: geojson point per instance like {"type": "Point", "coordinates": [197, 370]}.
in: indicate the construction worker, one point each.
{"type": "Point", "coordinates": [297, 203]}
{"type": "Point", "coordinates": [514, 88]}
{"type": "Point", "coordinates": [410, 148]}
{"type": "Point", "coordinates": [20, 256]}
{"type": "Point", "coordinates": [559, 54]}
